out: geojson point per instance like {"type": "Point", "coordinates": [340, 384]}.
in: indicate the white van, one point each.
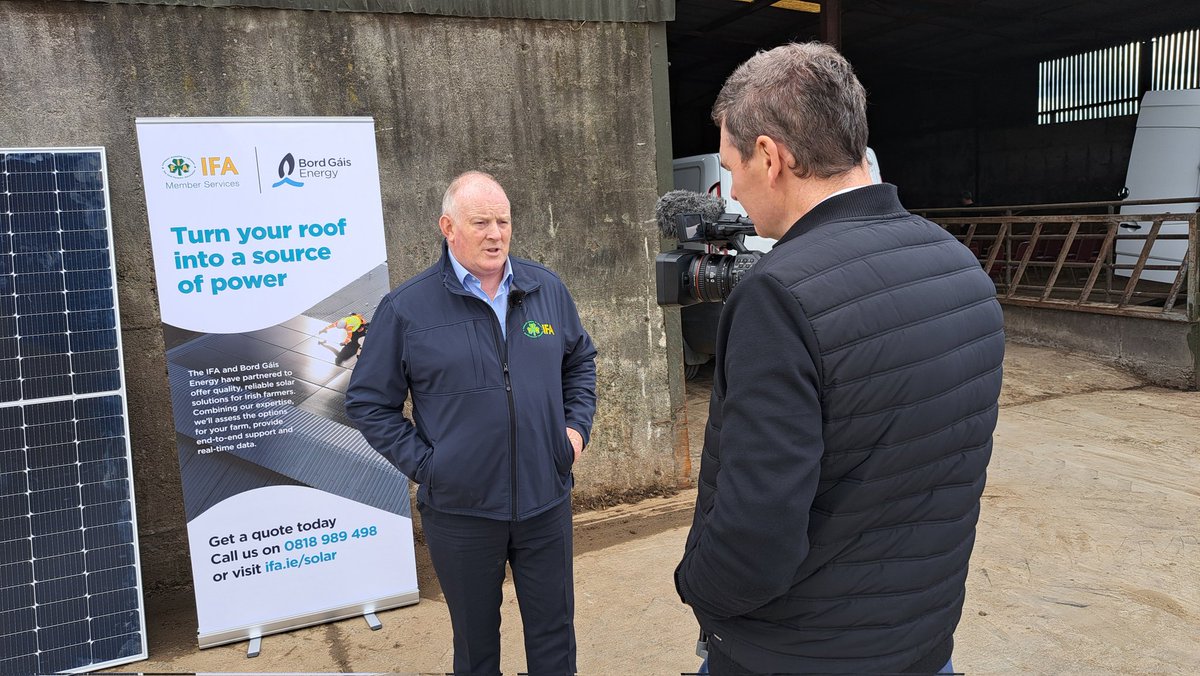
{"type": "Point", "coordinates": [1163, 163]}
{"type": "Point", "coordinates": [704, 174]}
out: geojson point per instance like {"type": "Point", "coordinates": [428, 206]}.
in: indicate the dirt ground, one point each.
{"type": "Point", "coordinates": [1087, 558]}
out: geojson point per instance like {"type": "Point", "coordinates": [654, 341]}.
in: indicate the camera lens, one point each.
{"type": "Point", "coordinates": [714, 276]}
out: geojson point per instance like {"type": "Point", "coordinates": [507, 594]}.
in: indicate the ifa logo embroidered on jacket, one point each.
{"type": "Point", "coordinates": [533, 329]}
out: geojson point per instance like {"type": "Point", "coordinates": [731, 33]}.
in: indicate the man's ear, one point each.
{"type": "Point", "coordinates": [445, 226]}
{"type": "Point", "coordinates": [778, 159]}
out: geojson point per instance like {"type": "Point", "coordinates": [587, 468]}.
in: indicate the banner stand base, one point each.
{"type": "Point", "coordinates": [373, 621]}
{"type": "Point", "coordinates": [255, 647]}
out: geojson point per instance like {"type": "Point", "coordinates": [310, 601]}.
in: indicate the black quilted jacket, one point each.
{"type": "Point", "coordinates": [854, 399]}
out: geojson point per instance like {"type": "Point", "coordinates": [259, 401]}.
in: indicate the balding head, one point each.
{"type": "Point", "coordinates": [467, 181]}
{"type": "Point", "coordinates": [477, 224]}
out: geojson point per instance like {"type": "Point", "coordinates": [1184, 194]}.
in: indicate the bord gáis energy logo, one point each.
{"type": "Point", "coordinates": [309, 169]}
{"type": "Point", "coordinates": [178, 166]}
{"type": "Point", "coordinates": [286, 167]}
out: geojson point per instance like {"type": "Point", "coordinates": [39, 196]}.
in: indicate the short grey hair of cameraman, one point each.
{"type": "Point", "coordinates": [804, 96]}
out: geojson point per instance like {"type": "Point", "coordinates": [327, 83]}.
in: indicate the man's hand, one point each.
{"type": "Point", "coordinates": [576, 442]}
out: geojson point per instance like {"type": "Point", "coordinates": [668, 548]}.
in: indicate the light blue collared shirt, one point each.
{"type": "Point", "coordinates": [471, 283]}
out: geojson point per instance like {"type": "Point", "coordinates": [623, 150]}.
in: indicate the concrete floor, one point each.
{"type": "Point", "coordinates": [1087, 559]}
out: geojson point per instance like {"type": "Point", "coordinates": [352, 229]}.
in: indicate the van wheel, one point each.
{"type": "Point", "coordinates": [690, 371]}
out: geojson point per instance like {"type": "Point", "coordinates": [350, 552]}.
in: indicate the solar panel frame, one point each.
{"type": "Point", "coordinates": [81, 534]}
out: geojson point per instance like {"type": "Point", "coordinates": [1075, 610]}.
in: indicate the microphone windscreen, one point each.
{"type": "Point", "coordinates": [679, 202]}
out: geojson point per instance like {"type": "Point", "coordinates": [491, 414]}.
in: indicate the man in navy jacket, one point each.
{"type": "Point", "coordinates": [502, 378]}
{"type": "Point", "coordinates": [854, 398]}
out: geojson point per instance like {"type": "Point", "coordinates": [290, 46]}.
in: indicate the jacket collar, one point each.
{"type": "Point", "coordinates": [521, 277]}
{"type": "Point", "coordinates": [872, 201]}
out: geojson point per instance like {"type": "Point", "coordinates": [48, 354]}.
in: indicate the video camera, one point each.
{"type": "Point", "coordinates": [687, 275]}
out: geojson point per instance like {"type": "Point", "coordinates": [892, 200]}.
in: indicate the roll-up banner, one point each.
{"type": "Point", "coordinates": [270, 260]}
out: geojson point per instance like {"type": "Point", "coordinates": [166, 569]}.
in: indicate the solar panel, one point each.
{"type": "Point", "coordinates": [70, 587]}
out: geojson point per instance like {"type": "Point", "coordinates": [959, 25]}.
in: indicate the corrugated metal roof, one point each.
{"type": "Point", "coordinates": [628, 11]}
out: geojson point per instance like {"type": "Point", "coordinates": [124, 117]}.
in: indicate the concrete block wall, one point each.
{"type": "Point", "coordinates": [561, 112]}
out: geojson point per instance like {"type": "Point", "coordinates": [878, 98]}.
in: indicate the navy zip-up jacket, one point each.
{"type": "Point", "coordinates": [488, 434]}
{"type": "Point", "coordinates": [854, 399]}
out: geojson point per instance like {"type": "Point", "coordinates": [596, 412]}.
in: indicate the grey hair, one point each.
{"type": "Point", "coordinates": [457, 184]}
{"type": "Point", "coordinates": [806, 98]}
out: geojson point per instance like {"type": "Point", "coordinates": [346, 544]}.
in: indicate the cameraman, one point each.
{"type": "Point", "coordinates": [854, 398]}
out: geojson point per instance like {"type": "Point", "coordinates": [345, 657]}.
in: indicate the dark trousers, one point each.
{"type": "Point", "coordinates": [469, 554]}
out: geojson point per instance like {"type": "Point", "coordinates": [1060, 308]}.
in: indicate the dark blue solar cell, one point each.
{"type": "Point", "coordinates": [60, 566]}
{"type": "Point", "coordinates": [8, 283]}
{"type": "Point", "coordinates": [44, 261]}
{"type": "Point", "coordinates": [100, 428]}
{"type": "Point", "coordinates": [89, 300]}
{"type": "Point", "coordinates": [6, 265]}
{"type": "Point", "coordinates": [12, 416]}
{"type": "Point", "coordinates": [111, 580]}
{"type": "Point", "coordinates": [129, 645]}
{"type": "Point", "coordinates": [100, 381]}
{"type": "Point", "coordinates": [32, 182]}
{"type": "Point", "coordinates": [83, 220]}
{"type": "Point", "coordinates": [41, 303]}
{"type": "Point", "coordinates": [40, 283]}
{"type": "Point", "coordinates": [62, 611]}
{"type": "Point", "coordinates": [27, 202]}
{"type": "Point", "coordinates": [26, 162]}
{"type": "Point", "coordinates": [92, 320]}
{"type": "Point", "coordinates": [5, 240]}
{"type": "Point", "coordinates": [16, 644]}
{"type": "Point", "coordinates": [103, 470]}
{"type": "Point", "coordinates": [80, 161]}
{"type": "Point", "coordinates": [3, 175]}
{"type": "Point", "coordinates": [40, 388]}
{"type": "Point", "coordinates": [98, 407]}
{"type": "Point", "coordinates": [43, 222]}
{"type": "Point", "coordinates": [85, 239]}
{"type": "Point", "coordinates": [52, 456]}
{"type": "Point", "coordinates": [35, 346]}
{"type": "Point", "coordinates": [9, 439]}
{"type": "Point", "coordinates": [12, 456]}
{"type": "Point", "coordinates": [54, 499]}
{"type": "Point", "coordinates": [102, 449]}
{"type": "Point", "coordinates": [77, 181]}
{"type": "Point", "coordinates": [17, 621]}
{"type": "Point", "coordinates": [112, 512]}
{"type": "Point", "coordinates": [15, 597]}
{"type": "Point", "coordinates": [14, 527]}
{"type": "Point", "coordinates": [118, 624]}
{"type": "Point", "coordinates": [81, 201]}
{"type": "Point", "coordinates": [49, 412]}
{"type": "Point", "coordinates": [15, 550]}
{"type": "Point", "coordinates": [65, 659]}
{"type": "Point", "coordinates": [36, 325]}
{"type": "Point", "coordinates": [58, 544]}
{"type": "Point", "coordinates": [112, 602]}
{"type": "Point", "coordinates": [12, 506]}
{"type": "Point", "coordinates": [14, 482]}
{"type": "Point", "coordinates": [103, 536]}
{"type": "Point", "coordinates": [62, 635]}
{"type": "Point", "coordinates": [93, 340]}
{"type": "Point", "coordinates": [36, 242]}
{"type": "Point", "coordinates": [53, 477]}
{"type": "Point", "coordinates": [8, 348]}
{"type": "Point", "coordinates": [8, 303]}
{"type": "Point", "coordinates": [40, 367]}
{"type": "Point", "coordinates": [25, 664]}
{"type": "Point", "coordinates": [104, 491]}
{"type": "Point", "coordinates": [111, 557]}
{"type": "Point", "coordinates": [20, 572]}
{"type": "Point", "coordinates": [90, 259]}
{"type": "Point", "coordinates": [10, 390]}
{"type": "Point", "coordinates": [49, 523]}
{"type": "Point", "coordinates": [10, 369]}
{"type": "Point", "coordinates": [87, 279]}
{"type": "Point", "coordinates": [5, 218]}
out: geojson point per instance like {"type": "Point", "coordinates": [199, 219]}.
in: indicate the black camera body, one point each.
{"type": "Point", "coordinates": [687, 276]}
